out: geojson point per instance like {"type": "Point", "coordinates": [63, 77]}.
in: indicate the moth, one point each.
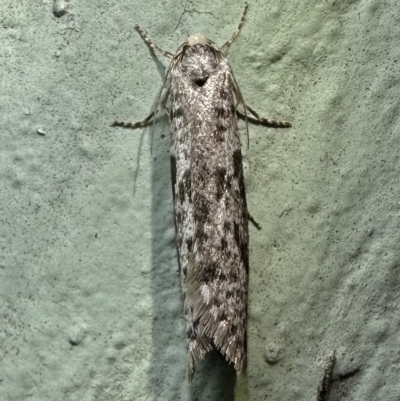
{"type": "Point", "coordinates": [201, 96]}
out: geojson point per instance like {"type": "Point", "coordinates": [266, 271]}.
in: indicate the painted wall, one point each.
{"type": "Point", "coordinates": [90, 305]}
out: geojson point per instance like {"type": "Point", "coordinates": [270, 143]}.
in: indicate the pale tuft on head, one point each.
{"type": "Point", "coordinates": [197, 39]}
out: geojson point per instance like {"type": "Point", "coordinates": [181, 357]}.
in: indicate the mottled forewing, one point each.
{"type": "Point", "coordinates": [210, 212]}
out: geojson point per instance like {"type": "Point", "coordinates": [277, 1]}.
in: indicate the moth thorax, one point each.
{"type": "Point", "coordinates": [197, 39]}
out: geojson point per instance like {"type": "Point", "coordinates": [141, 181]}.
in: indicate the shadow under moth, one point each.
{"type": "Point", "coordinates": [201, 96]}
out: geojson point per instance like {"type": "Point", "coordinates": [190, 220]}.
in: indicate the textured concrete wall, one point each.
{"type": "Point", "coordinates": [90, 300]}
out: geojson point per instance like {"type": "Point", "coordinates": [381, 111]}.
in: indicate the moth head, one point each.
{"type": "Point", "coordinates": [197, 39]}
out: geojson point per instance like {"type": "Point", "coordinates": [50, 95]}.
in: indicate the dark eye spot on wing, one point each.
{"type": "Point", "coordinates": [224, 244]}
{"type": "Point", "coordinates": [220, 181]}
{"type": "Point", "coordinates": [220, 132]}
{"type": "Point", "coordinates": [222, 113]}
{"type": "Point", "coordinates": [201, 81]}
{"type": "Point", "coordinates": [177, 112]}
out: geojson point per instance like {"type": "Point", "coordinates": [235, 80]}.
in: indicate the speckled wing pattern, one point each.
{"type": "Point", "coordinates": [211, 216]}
{"type": "Point", "coordinates": [210, 204]}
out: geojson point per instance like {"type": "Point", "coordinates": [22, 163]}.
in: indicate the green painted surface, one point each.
{"type": "Point", "coordinates": [90, 304]}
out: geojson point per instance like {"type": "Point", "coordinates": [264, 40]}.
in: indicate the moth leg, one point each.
{"type": "Point", "coordinates": [254, 222]}
{"type": "Point", "coordinates": [139, 124]}
{"type": "Point", "coordinates": [150, 118]}
{"type": "Point", "coordinates": [268, 121]}
{"type": "Point", "coordinates": [151, 44]}
{"type": "Point", "coordinates": [163, 103]}
{"type": "Point", "coordinates": [240, 100]}
{"type": "Point", "coordinates": [225, 47]}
